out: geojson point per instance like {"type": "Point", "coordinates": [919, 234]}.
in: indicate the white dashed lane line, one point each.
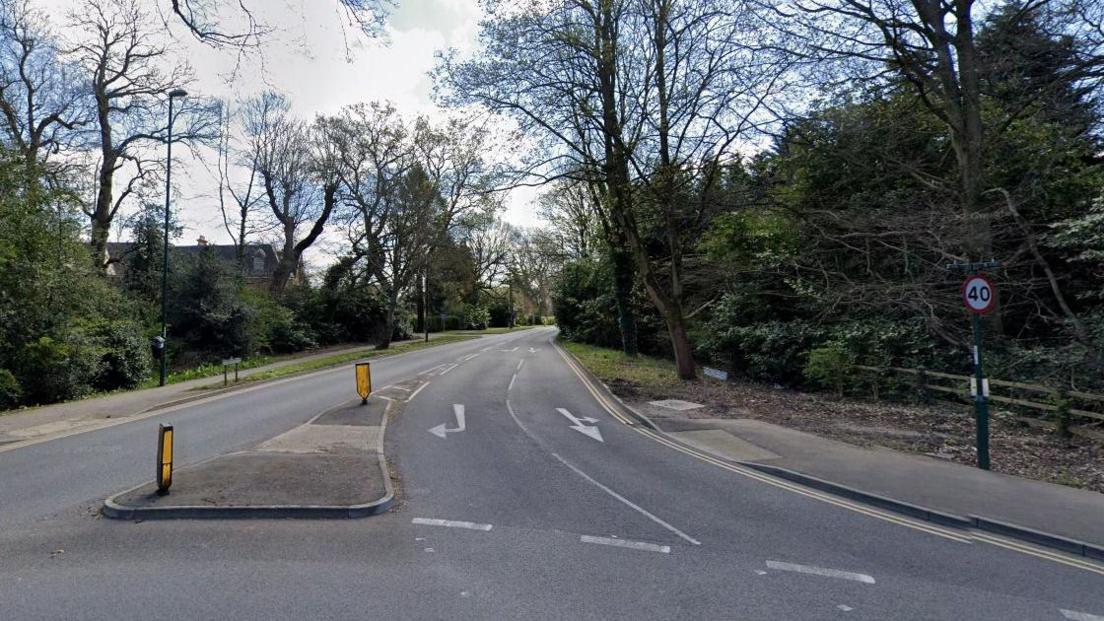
{"type": "Point", "coordinates": [451, 524]}
{"type": "Point", "coordinates": [820, 571]}
{"type": "Point", "coordinates": [624, 543]}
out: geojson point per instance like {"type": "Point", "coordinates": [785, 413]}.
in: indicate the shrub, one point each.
{"type": "Point", "coordinates": [123, 350]}
{"type": "Point", "coordinates": [830, 367]}
{"type": "Point", "coordinates": [51, 370]}
{"type": "Point", "coordinates": [476, 317]}
{"type": "Point", "coordinates": [10, 391]}
{"type": "Point", "coordinates": [772, 351]}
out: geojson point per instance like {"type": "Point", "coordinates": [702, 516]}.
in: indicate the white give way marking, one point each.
{"type": "Point", "coordinates": [441, 431]}
{"type": "Point", "coordinates": [577, 425]}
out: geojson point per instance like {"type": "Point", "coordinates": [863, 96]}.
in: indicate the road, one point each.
{"type": "Point", "coordinates": [532, 501]}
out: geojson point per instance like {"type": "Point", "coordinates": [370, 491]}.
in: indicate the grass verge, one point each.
{"type": "Point", "coordinates": [626, 375]}
{"type": "Point", "coordinates": [345, 358]}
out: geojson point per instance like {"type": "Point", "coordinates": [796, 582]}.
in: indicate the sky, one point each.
{"type": "Point", "coordinates": [322, 62]}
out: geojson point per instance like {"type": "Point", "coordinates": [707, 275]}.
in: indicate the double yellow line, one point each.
{"type": "Point", "coordinates": [954, 535]}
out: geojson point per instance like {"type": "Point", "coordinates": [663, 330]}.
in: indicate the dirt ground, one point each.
{"type": "Point", "coordinates": [941, 430]}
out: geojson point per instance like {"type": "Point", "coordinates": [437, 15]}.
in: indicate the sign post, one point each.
{"type": "Point", "coordinates": [364, 381]}
{"type": "Point", "coordinates": [979, 296]}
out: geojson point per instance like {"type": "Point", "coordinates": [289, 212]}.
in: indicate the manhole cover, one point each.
{"type": "Point", "coordinates": [676, 404]}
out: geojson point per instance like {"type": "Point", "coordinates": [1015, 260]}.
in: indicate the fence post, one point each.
{"type": "Point", "coordinates": [922, 386]}
{"type": "Point", "coordinates": [1060, 398]}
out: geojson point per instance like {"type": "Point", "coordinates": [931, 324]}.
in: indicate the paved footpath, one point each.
{"type": "Point", "coordinates": [520, 496]}
{"type": "Point", "coordinates": [946, 487]}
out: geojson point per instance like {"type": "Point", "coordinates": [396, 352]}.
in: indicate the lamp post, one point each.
{"type": "Point", "coordinates": [173, 94]}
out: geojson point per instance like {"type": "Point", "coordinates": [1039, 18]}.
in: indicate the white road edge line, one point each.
{"type": "Point", "coordinates": [1073, 615]}
{"type": "Point", "coordinates": [820, 571]}
{"type": "Point", "coordinates": [624, 543]}
{"type": "Point", "coordinates": [451, 524]}
{"type": "Point", "coordinates": [448, 368]}
{"type": "Point", "coordinates": [511, 386]}
{"type": "Point", "coordinates": [521, 363]}
{"type": "Point", "coordinates": [626, 501]}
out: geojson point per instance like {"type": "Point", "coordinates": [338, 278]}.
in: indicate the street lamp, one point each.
{"type": "Point", "coordinates": [173, 94]}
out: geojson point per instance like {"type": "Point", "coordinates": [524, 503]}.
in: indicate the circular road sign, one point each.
{"type": "Point", "coordinates": [978, 294]}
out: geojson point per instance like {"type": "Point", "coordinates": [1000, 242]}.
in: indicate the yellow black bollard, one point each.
{"type": "Point", "coordinates": [364, 381]}
{"type": "Point", "coordinates": [164, 458]}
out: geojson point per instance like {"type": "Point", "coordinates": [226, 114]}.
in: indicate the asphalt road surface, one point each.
{"type": "Point", "coordinates": [521, 498]}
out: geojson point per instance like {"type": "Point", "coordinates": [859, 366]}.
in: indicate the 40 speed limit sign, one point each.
{"type": "Point", "coordinates": [979, 295]}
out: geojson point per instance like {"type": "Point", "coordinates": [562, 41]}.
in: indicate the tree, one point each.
{"type": "Point", "coordinates": [41, 106]}
{"type": "Point", "coordinates": [932, 45]}
{"type": "Point", "coordinates": [558, 71]}
{"type": "Point", "coordinates": [299, 181]}
{"type": "Point", "coordinates": [123, 65]}
{"type": "Point", "coordinates": [241, 202]}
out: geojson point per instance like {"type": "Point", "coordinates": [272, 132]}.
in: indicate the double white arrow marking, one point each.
{"type": "Point", "coordinates": [580, 427]}
{"type": "Point", "coordinates": [441, 431]}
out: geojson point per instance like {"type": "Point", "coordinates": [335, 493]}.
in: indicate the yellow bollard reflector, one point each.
{"type": "Point", "coordinates": [164, 458]}
{"type": "Point", "coordinates": [364, 380]}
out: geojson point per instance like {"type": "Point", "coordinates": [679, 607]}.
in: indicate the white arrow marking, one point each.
{"type": "Point", "coordinates": [533, 351]}
{"type": "Point", "coordinates": [1074, 615]}
{"type": "Point", "coordinates": [578, 425]}
{"type": "Point", "coordinates": [441, 431]}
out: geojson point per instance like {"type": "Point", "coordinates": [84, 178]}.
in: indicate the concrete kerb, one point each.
{"type": "Point", "coordinates": [1014, 531]}
{"type": "Point", "coordinates": [114, 510]}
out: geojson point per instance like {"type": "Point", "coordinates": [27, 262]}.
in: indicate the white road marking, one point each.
{"type": "Point", "coordinates": [521, 363]}
{"type": "Point", "coordinates": [511, 386]}
{"type": "Point", "coordinates": [578, 425]}
{"type": "Point", "coordinates": [451, 524]}
{"type": "Point", "coordinates": [760, 572]}
{"type": "Point", "coordinates": [845, 608]}
{"type": "Point", "coordinates": [1073, 615]}
{"type": "Point", "coordinates": [820, 571]}
{"type": "Point", "coordinates": [624, 543]}
{"type": "Point", "coordinates": [467, 358]}
{"type": "Point", "coordinates": [486, 349]}
{"type": "Point", "coordinates": [533, 351]}
{"type": "Point", "coordinates": [442, 431]}
{"type": "Point", "coordinates": [415, 393]}
{"type": "Point", "coordinates": [449, 368]}
{"type": "Point", "coordinates": [508, 350]}
{"type": "Point", "coordinates": [397, 388]}
{"type": "Point", "coordinates": [624, 500]}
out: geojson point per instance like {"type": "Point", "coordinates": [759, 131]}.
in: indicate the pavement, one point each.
{"type": "Point", "coordinates": [521, 493]}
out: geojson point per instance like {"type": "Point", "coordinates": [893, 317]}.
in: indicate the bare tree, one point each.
{"type": "Point", "coordinates": [241, 202]}
{"type": "Point", "coordinates": [207, 19]}
{"type": "Point", "coordinates": [116, 50]}
{"type": "Point", "coordinates": [40, 102]}
{"type": "Point", "coordinates": [297, 176]}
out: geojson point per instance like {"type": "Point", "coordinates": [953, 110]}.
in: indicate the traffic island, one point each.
{"type": "Point", "coordinates": [331, 467]}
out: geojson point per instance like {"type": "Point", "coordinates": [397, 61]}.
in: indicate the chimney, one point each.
{"type": "Point", "coordinates": [202, 241]}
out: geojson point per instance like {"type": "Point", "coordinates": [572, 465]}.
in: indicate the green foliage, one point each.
{"type": "Point", "coordinates": [770, 350]}
{"type": "Point", "coordinates": [584, 305]}
{"type": "Point", "coordinates": [830, 367]}
{"type": "Point", "coordinates": [123, 350]}
{"type": "Point", "coordinates": [476, 317]}
{"type": "Point", "coordinates": [205, 312]}
{"type": "Point", "coordinates": [10, 390]}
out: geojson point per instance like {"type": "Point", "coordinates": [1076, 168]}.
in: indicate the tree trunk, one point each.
{"type": "Point", "coordinates": [389, 323]}
{"type": "Point", "coordinates": [623, 278]}
{"type": "Point", "coordinates": [288, 263]}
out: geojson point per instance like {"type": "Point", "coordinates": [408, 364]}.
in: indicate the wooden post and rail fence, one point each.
{"type": "Point", "coordinates": [1056, 401]}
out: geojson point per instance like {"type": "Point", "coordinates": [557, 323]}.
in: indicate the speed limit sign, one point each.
{"type": "Point", "coordinates": [978, 294]}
